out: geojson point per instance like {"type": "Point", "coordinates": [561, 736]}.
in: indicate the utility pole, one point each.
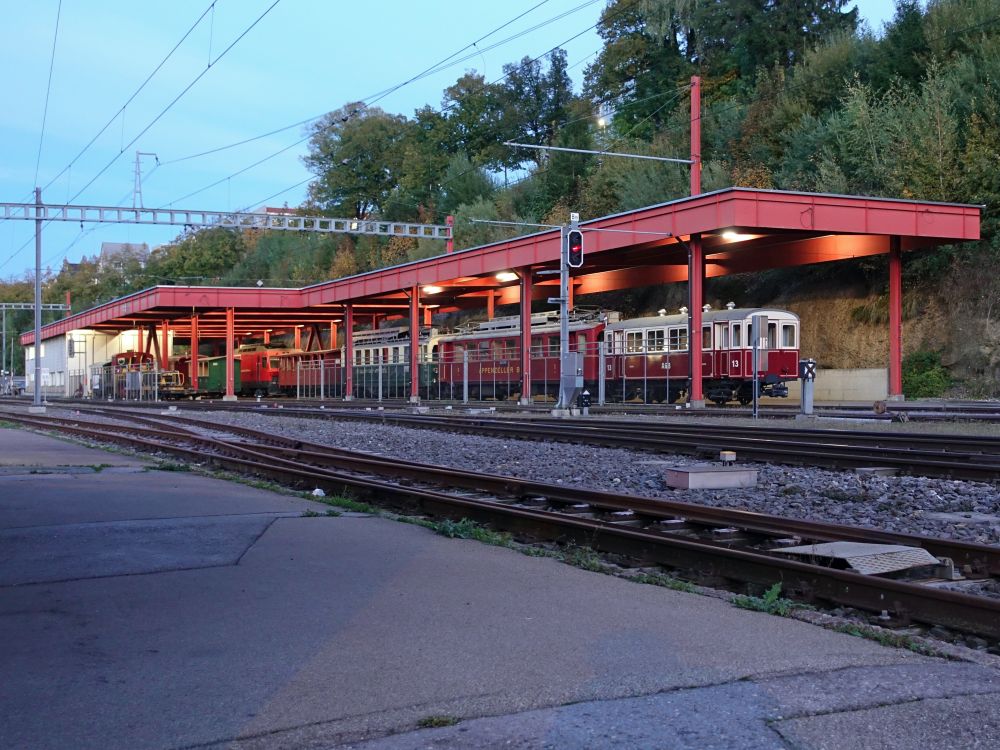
{"type": "Point", "coordinates": [137, 190]}
{"type": "Point", "coordinates": [36, 401]}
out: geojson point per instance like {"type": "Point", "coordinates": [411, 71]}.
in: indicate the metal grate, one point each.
{"type": "Point", "coordinates": [868, 559]}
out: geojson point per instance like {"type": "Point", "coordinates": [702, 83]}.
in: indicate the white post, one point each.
{"type": "Point", "coordinates": [465, 376]}
{"type": "Point", "coordinates": [601, 374]}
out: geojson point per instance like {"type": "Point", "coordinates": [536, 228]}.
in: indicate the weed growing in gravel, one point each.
{"type": "Point", "coordinates": [170, 466]}
{"type": "Point", "coordinates": [772, 602]}
{"type": "Point", "coordinates": [665, 581]}
{"type": "Point", "coordinates": [583, 557]}
{"type": "Point", "coordinates": [437, 721]}
{"type": "Point", "coordinates": [469, 529]}
{"type": "Point", "coordinates": [310, 514]}
{"type": "Point", "coordinates": [345, 503]}
{"type": "Point", "coordinates": [893, 640]}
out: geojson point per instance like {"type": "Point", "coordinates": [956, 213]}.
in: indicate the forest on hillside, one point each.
{"type": "Point", "coordinates": [795, 95]}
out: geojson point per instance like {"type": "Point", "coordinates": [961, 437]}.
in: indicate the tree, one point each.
{"type": "Point", "coordinates": [475, 121]}
{"type": "Point", "coordinates": [356, 153]}
{"type": "Point", "coordinates": [344, 262]}
{"type": "Point", "coordinates": [463, 182]}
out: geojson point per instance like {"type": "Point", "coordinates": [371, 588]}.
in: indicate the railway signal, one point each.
{"type": "Point", "coordinates": [574, 252]}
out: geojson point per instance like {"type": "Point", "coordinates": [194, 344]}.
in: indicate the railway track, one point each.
{"type": "Point", "coordinates": [955, 456]}
{"type": "Point", "coordinates": [711, 544]}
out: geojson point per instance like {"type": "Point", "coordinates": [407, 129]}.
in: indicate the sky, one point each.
{"type": "Point", "coordinates": [301, 59]}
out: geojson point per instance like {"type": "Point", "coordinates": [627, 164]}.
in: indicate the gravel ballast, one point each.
{"type": "Point", "coordinates": [968, 511]}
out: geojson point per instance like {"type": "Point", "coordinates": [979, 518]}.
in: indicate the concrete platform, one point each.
{"type": "Point", "coordinates": [156, 609]}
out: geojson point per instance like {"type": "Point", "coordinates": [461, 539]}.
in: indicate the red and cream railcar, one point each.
{"type": "Point", "coordinates": [491, 352]}
{"type": "Point", "coordinates": [647, 358]}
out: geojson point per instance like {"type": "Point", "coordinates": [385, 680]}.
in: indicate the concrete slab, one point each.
{"type": "Point", "coordinates": [23, 448]}
{"type": "Point", "coordinates": [960, 723]}
{"type": "Point", "coordinates": [321, 631]}
{"type": "Point", "coordinates": [710, 477]}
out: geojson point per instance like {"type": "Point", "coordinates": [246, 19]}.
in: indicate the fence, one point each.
{"type": "Point", "coordinates": [494, 374]}
{"type": "Point", "coordinates": [116, 383]}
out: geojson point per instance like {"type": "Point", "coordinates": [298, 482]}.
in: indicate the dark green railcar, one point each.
{"type": "Point", "coordinates": [212, 376]}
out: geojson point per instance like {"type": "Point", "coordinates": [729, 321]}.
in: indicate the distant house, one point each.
{"type": "Point", "coordinates": [114, 254]}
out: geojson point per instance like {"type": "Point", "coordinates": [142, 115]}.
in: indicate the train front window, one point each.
{"type": "Point", "coordinates": [788, 336]}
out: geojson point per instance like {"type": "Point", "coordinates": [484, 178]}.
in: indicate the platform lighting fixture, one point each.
{"type": "Point", "coordinates": [432, 307]}
{"type": "Point", "coordinates": [431, 289]}
{"type": "Point", "coordinates": [506, 276]}
{"type": "Point", "coordinates": [731, 235]}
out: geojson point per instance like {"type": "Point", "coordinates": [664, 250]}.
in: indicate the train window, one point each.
{"type": "Point", "coordinates": [655, 340]}
{"type": "Point", "coordinates": [772, 335]}
{"type": "Point", "coordinates": [678, 339]}
{"type": "Point", "coordinates": [788, 336]}
{"type": "Point", "coordinates": [724, 343]}
{"type": "Point", "coordinates": [737, 335]}
{"type": "Point", "coordinates": [706, 338]}
{"type": "Point", "coordinates": [553, 346]}
{"type": "Point", "coordinates": [368, 356]}
{"type": "Point", "coordinates": [484, 350]}
{"type": "Point", "coordinates": [581, 342]}
{"type": "Point", "coordinates": [633, 341]}
{"type": "Point", "coordinates": [536, 346]}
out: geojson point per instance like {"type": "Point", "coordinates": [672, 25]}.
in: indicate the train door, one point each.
{"type": "Point", "coordinates": [736, 353]}
{"type": "Point", "coordinates": [722, 348]}
{"type": "Point", "coordinates": [707, 363]}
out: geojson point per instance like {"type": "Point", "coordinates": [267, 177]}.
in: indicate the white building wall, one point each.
{"type": "Point", "coordinates": [65, 375]}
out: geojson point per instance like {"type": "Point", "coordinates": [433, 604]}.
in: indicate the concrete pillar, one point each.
{"type": "Point", "coordinates": [895, 319]}
{"type": "Point", "coordinates": [348, 352]}
{"type": "Point", "coordinates": [525, 274]}
{"type": "Point", "coordinates": [696, 278]}
{"type": "Point", "coordinates": [230, 355]}
{"type": "Point", "coordinates": [569, 297]}
{"type": "Point", "coordinates": [193, 375]}
{"type": "Point", "coordinates": [415, 344]}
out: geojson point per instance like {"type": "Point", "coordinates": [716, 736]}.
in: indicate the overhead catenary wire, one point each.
{"type": "Point", "coordinates": [512, 70]}
{"type": "Point", "coordinates": [48, 91]}
{"type": "Point", "coordinates": [160, 114]}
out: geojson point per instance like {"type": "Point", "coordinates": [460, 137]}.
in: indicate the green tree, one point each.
{"type": "Point", "coordinates": [356, 153]}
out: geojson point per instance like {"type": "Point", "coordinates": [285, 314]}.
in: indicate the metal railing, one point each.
{"type": "Point", "coordinates": [115, 383]}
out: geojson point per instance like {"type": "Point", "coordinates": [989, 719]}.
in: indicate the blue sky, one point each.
{"type": "Point", "coordinates": [301, 60]}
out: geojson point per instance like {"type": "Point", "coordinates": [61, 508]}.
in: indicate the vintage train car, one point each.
{"type": "Point", "coordinates": [647, 358]}
{"type": "Point", "coordinates": [127, 375]}
{"type": "Point", "coordinates": [643, 359]}
{"type": "Point", "coordinates": [259, 367]}
{"type": "Point", "coordinates": [381, 367]}
{"type": "Point", "coordinates": [488, 354]}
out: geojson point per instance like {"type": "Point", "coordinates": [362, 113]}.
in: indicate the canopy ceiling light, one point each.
{"type": "Point", "coordinates": [506, 276]}
{"type": "Point", "coordinates": [433, 289]}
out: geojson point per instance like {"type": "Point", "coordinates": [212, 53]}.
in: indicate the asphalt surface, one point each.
{"type": "Point", "coordinates": [151, 609]}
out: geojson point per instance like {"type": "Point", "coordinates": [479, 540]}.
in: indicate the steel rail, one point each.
{"type": "Point", "coordinates": [912, 602]}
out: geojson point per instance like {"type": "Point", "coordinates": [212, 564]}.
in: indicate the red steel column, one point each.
{"type": "Point", "coordinates": [333, 335]}
{"type": "Point", "coordinates": [490, 304]}
{"type": "Point", "coordinates": [230, 355]}
{"type": "Point", "coordinates": [525, 274]}
{"type": "Point", "coordinates": [696, 277]}
{"type": "Point", "coordinates": [695, 135]}
{"type": "Point", "coordinates": [267, 337]}
{"type": "Point", "coordinates": [348, 352]}
{"type": "Point", "coordinates": [194, 353]}
{"type": "Point", "coordinates": [428, 317]}
{"type": "Point", "coordinates": [414, 344]}
{"type": "Point", "coordinates": [298, 337]}
{"type": "Point", "coordinates": [139, 339]}
{"type": "Point", "coordinates": [164, 345]}
{"type": "Point", "coordinates": [895, 319]}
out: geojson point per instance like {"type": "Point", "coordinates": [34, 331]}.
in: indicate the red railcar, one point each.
{"type": "Point", "coordinates": [259, 369]}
